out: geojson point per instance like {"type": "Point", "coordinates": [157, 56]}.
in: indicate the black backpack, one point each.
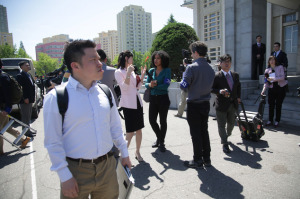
{"type": "Point", "coordinates": [63, 98]}
{"type": "Point", "coordinates": [16, 91]}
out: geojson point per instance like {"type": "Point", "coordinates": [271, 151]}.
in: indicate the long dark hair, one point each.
{"type": "Point", "coordinates": [163, 56]}
{"type": "Point", "coordinates": [122, 60]}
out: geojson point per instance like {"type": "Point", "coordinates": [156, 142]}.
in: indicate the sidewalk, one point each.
{"type": "Point", "coordinates": [265, 169]}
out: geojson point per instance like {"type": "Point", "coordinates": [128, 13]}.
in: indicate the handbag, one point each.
{"type": "Point", "coordinates": [147, 94]}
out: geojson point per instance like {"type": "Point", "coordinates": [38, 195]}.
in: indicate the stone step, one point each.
{"type": "Point", "coordinates": [289, 94]}
{"type": "Point", "coordinates": [287, 99]}
{"type": "Point", "coordinates": [288, 117]}
{"type": "Point", "coordinates": [285, 106]}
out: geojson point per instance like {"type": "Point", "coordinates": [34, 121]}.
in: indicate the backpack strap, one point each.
{"type": "Point", "coordinates": [62, 100]}
{"type": "Point", "coordinates": [107, 92]}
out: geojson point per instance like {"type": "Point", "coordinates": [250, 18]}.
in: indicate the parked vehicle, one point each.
{"type": "Point", "coordinates": [10, 66]}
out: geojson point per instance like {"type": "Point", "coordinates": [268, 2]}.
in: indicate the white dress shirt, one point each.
{"type": "Point", "coordinates": [90, 127]}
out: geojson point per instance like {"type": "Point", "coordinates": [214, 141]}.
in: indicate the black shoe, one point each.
{"type": "Point", "coordinates": [30, 134]}
{"type": "Point", "coordinates": [193, 164]}
{"type": "Point", "coordinates": [162, 148]}
{"type": "Point", "coordinates": [155, 144]}
{"type": "Point", "coordinates": [207, 162]}
{"type": "Point", "coordinates": [226, 148]}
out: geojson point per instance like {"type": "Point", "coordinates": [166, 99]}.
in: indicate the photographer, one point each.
{"type": "Point", "coordinates": [186, 60]}
{"type": "Point", "coordinates": [54, 78]}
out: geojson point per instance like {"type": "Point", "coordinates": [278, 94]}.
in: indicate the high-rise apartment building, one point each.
{"type": "Point", "coordinates": [5, 36]}
{"type": "Point", "coordinates": [109, 43]}
{"type": "Point", "coordinates": [134, 29]}
{"type": "Point", "coordinates": [52, 46]}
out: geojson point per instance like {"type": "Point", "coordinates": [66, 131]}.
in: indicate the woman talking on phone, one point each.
{"type": "Point", "coordinates": [159, 98]}
{"type": "Point", "coordinates": [275, 82]}
{"type": "Point", "coordinates": [131, 101]}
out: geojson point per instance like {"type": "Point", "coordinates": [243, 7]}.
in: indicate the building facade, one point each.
{"type": "Point", "coordinates": [134, 29]}
{"type": "Point", "coordinates": [109, 43]}
{"type": "Point", "coordinates": [231, 26]}
{"type": "Point", "coordinates": [5, 36]}
{"type": "Point", "coordinates": [52, 46]}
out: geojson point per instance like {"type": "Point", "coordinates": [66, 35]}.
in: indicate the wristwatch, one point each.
{"type": "Point", "coordinates": [128, 77]}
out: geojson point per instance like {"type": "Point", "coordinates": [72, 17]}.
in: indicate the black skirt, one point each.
{"type": "Point", "coordinates": [134, 118]}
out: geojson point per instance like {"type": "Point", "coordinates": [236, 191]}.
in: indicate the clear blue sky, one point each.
{"type": "Point", "coordinates": [32, 20]}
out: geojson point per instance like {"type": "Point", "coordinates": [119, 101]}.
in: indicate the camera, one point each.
{"type": "Point", "coordinates": [55, 76]}
{"type": "Point", "coordinates": [298, 91]}
{"type": "Point", "coordinates": [186, 59]}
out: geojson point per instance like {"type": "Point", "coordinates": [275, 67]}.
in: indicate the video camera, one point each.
{"type": "Point", "coordinates": [186, 59]}
{"type": "Point", "coordinates": [54, 76]}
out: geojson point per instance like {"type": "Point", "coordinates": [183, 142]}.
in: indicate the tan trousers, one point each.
{"type": "Point", "coordinates": [3, 121]}
{"type": "Point", "coordinates": [99, 181]}
{"type": "Point", "coordinates": [182, 103]}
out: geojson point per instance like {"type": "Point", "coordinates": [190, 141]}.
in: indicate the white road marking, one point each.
{"type": "Point", "coordinates": [33, 179]}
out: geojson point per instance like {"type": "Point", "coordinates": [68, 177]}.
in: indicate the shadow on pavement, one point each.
{"type": "Point", "coordinates": [217, 185]}
{"type": "Point", "coordinates": [10, 158]}
{"type": "Point", "coordinates": [245, 158]}
{"type": "Point", "coordinates": [141, 174]}
{"type": "Point", "coordinates": [169, 161]}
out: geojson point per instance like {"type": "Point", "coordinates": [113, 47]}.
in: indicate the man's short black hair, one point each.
{"type": "Point", "coordinates": [277, 43]}
{"type": "Point", "coordinates": [102, 54]}
{"type": "Point", "coordinates": [225, 58]}
{"type": "Point", "coordinates": [22, 63]}
{"type": "Point", "coordinates": [258, 36]}
{"type": "Point", "coordinates": [199, 47]}
{"type": "Point", "coordinates": [75, 50]}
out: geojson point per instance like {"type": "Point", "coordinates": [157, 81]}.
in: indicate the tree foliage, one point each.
{"type": "Point", "coordinates": [173, 38]}
{"type": "Point", "coordinates": [45, 64]}
{"type": "Point", "coordinates": [6, 51]}
{"type": "Point", "coordinates": [171, 19]}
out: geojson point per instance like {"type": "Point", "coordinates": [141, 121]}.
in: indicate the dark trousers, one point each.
{"type": "Point", "coordinates": [159, 104]}
{"type": "Point", "coordinates": [275, 99]}
{"type": "Point", "coordinates": [197, 117]}
{"type": "Point", "coordinates": [257, 67]}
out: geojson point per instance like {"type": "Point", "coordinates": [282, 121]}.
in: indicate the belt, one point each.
{"type": "Point", "coordinates": [93, 161]}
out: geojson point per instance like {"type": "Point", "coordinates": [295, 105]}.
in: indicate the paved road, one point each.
{"type": "Point", "coordinates": [265, 169]}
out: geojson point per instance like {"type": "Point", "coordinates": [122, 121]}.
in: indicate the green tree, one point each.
{"type": "Point", "coordinates": [115, 60]}
{"type": "Point", "coordinates": [6, 51]}
{"type": "Point", "coordinates": [108, 62]}
{"type": "Point", "coordinates": [171, 19]}
{"type": "Point", "coordinates": [22, 53]}
{"type": "Point", "coordinates": [45, 64]}
{"type": "Point", "coordinates": [22, 46]}
{"type": "Point", "coordinates": [173, 38]}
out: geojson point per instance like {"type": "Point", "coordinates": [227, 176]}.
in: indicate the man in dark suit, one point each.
{"type": "Point", "coordinates": [258, 54]}
{"type": "Point", "coordinates": [27, 82]}
{"type": "Point", "coordinates": [227, 88]}
{"type": "Point", "coordinates": [280, 57]}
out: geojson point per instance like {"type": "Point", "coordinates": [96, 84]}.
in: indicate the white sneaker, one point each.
{"type": "Point", "coordinates": [268, 123]}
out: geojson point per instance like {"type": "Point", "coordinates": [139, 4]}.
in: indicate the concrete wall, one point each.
{"type": "Point", "coordinates": [244, 20]}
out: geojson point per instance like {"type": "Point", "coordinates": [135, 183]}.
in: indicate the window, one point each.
{"type": "Point", "coordinates": [290, 39]}
{"type": "Point", "coordinates": [290, 18]}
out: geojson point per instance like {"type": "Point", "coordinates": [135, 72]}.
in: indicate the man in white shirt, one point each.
{"type": "Point", "coordinates": [79, 147]}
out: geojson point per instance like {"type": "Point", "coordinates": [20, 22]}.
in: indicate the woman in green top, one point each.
{"type": "Point", "coordinates": [159, 98]}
